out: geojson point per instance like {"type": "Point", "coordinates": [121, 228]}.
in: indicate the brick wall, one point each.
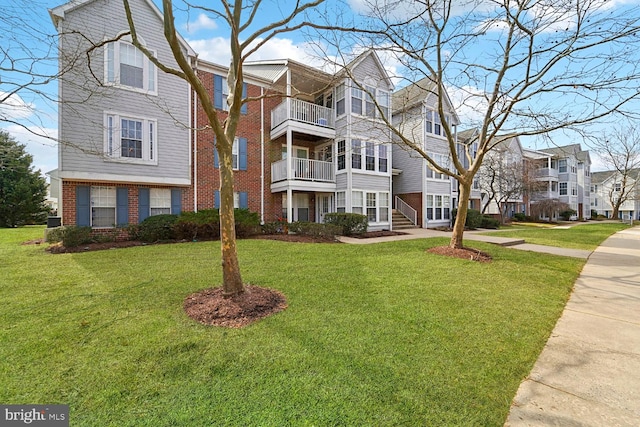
{"type": "Point", "coordinates": [249, 127]}
{"type": "Point", "coordinates": [415, 201]}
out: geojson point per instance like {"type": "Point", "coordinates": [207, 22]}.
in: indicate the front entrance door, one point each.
{"type": "Point", "coordinates": [324, 205]}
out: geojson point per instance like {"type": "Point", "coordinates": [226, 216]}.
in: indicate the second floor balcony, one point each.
{"type": "Point", "coordinates": [303, 170]}
{"type": "Point", "coordinates": [303, 116]}
{"type": "Point", "coordinates": [547, 173]}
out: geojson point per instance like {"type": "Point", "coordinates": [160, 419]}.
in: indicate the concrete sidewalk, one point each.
{"type": "Point", "coordinates": [588, 374]}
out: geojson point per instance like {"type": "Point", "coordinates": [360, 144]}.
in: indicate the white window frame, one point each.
{"type": "Point", "coordinates": [112, 62]}
{"type": "Point", "coordinates": [341, 99]}
{"type": "Point", "coordinates": [383, 206]}
{"type": "Point", "coordinates": [341, 201]}
{"type": "Point", "coordinates": [563, 188]}
{"type": "Point", "coordinates": [113, 137]}
{"type": "Point", "coordinates": [103, 197]}
{"type": "Point", "coordinates": [159, 201]}
{"type": "Point", "coordinates": [357, 202]}
{"type": "Point", "coordinates": [562, 164]}
{"type": "Point", "coordinates": [371, 201]}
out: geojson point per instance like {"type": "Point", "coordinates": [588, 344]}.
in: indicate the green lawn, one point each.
{"type": "Point", "coordinates": [584, 236]}
{"type": "Point", "coordinates": [374, 335]}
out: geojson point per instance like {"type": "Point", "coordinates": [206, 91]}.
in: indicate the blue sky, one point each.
{"type": "Point", "coordinates": [207, 36]}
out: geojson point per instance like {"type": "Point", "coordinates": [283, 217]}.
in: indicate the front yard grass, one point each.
{"type": "Point", "coordinates": [374, 335]}
{"type": "Point", "coordinates": [583, 236]}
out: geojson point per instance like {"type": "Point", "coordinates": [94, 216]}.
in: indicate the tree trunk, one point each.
{"type": "Point", "coordinates": [461, 216]}
{"type": "Point", "coordinates": [231, 278]}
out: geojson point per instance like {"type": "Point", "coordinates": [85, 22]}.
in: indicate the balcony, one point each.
{"type": "Point", "coordinates": [547, 173]}
{"type": "Point", "coordinates": [303, 170]}
{"type": "Point", "coordinates": [302, 116]}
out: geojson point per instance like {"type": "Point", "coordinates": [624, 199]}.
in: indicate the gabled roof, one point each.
{"type": "Point", "coordinates": [416, 93]}
{"type": "Point", "coordinates": [360, 58]}
{"type": "Point", "coordinates": [57, 14]}
{"type": "Point", "coordinates": [601, 177]}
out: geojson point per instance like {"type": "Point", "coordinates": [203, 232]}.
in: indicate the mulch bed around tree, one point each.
{"type": "Point", "coordinates": [464, 253]}
{"type": "Point", "coordinates": [210, 307]}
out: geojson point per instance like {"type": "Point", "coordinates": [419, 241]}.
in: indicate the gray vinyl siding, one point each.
{"type": "Point", "coordinates": [85, 101]}
{"type": "Point", "coordinates": [370, 182]}
{"type": "Point", "coordinates": [438, 187]}
{"type": "Point", "coordinates": [341, 181]}
{"type": "Point", "coordinates": [410, 180]}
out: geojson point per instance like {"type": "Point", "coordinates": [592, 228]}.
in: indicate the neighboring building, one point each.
{"type": "Point", "coordinates": [124, 151]}
{"type": "Point", "coordinates": [135, 141]}
{"type": "Point", "coordinates": [418, 189]}
{"type": "Point", "coordinates": [503, 179]}
{"type": "Point", "coordinates": [606, 185]}
{"type": "Point", "coordinates": [574, 177]}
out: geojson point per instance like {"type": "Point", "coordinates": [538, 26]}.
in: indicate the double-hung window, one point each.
{"type": "Point", "coordinates": [126, 66]}
{"type": "Point", "coordinates": [356, 202]}
{"type": "Point", "coordinates": [160, 201]}
{"type": "Point", "coordinates": [221, 94]}
{"type": "Point", "coordinates": [341, 155]}
{"type": "Point", "coordinates": [382, 158]}
{"type": "Point", "coordinates": [341, 201]}
{"type": "Point", "coordinates": [356, 154]}
{"type": "Point", "coordinates": [130, 139]}
{"type": "Point", "coordinates": [340, 99]}
{"type": "Point", "coordinates": [370, 106]}
{"type": "Point", "coordinates": [384, 102]}
{"type": "Point", "coordinates": [370, 156]}
{"type": "Point", "coordinates": [103, 206]}
{"type": "Point", "coordinates": [563, 188]}
{"type": "Point", "coordinates": [371, 207]}
{"type": "Point", "coordinates": [383, 205]}
{"type": "Point", "coordinates": [356, 100]}
{"type": "Point", "coordinates": [562, 166]}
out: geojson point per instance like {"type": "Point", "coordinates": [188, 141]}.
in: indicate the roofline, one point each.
{"type": "Point", "coordinates": [57, 14]}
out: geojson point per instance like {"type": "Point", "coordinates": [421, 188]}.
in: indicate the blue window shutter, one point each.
{"type": "Point", "coordinates": [217, 91]}
{"type": "Point", "coordinates": [176, 201]}
{"type": "Point", "coordinates": [242, 154]}
{"type": "Point", "coordinates": [83, 206]}
{"type": "Point", "coordinates": [144, 204]}
{"type": "Point", "coordinates": [243, 109]}
{"type": "Point", "coordinates": [244, 200]}
{"type": "Point", "coordinates": [216, 199]}
{"type": "Point", "coordinates": [122, 206]}
{"type": "Point", "coordinates": [216, 162]}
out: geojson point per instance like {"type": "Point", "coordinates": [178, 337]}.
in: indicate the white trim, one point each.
{"type": "Point", "coordinates": [134, 179]}
{"type": "Point", "coordinates": [148, 68]}
{"type": "Point", "coordinates": [112, 143]}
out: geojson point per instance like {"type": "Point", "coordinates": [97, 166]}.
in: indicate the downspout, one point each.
{"type": "Point", "coordinates": [262, 155]}
{"type": "Point", "coordinates": [194, 140]}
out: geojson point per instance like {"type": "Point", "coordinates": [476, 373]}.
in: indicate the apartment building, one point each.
{"type": "Point", "coordinates": [134, 140]}
{"type": "Point", "coordinates": [607, 186]}
{"type": "Point", "coordinates": [422, 193]}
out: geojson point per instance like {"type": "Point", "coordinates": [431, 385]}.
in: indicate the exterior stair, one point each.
{"type": "Point", "coordinates": [400, 222]}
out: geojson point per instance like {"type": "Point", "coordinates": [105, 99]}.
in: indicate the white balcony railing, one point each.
{"type": "Point", "coordinates": [303, 169]}
{"type": "Point", "coordinates": [304, 112]}
{"type": "Point", "coordinates": [547, 173]}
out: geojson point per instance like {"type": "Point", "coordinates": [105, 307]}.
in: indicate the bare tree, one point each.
{"type": "Point", "coordinates": [620, 152]}
{"type": "Point", "coordinates": [245, 39]}
{"type": "Point", "coordinates": [548, 208]}
{"type": "Point", "coordinates": [526, 68]}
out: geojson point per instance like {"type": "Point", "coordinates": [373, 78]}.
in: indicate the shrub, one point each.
{"type": "Point", "coordinates": [567, 214]}
{"type": "Point", "coordinates": [314, 229]}
{"type": "Point", "coordinates": [474, 218]}
{"type": "Point", "coordinates": [276, 227]}
{"type": "Point", "coordinates": [519, 216]}
{"type": "Point", "coordinates": [489, 222]}
{"type": "Point", "coordinates": [247, 223]}
{"type": "Point", "coordinates": [54, 235]}
{"type": "Point", "coordinates": [157, 228]}
{"type": "Point", "coordinates": [350, 223]}
{"type": "Point", "coordinates": [204, 224]}
{"type": "Point", "coordinates": [75, 236]}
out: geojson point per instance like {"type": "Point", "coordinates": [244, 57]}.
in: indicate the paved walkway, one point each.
{"type": "Point", "coordinates": [588, 374]}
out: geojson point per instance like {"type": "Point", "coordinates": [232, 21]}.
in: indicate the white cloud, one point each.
{"type": "Point", "coordinates": [38, 143]}
{"type": "Point", "coordinates": [470, 103]}
{"type": "Point", "coordinates": [218, 51]}
{"type": "Point", "coordinates": [202, 22]}
{"type": "Point", "coordinates": [14, 107]}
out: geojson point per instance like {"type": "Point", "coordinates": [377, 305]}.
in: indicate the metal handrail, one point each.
{"type": "Point", "coordinates": [406, 210]}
